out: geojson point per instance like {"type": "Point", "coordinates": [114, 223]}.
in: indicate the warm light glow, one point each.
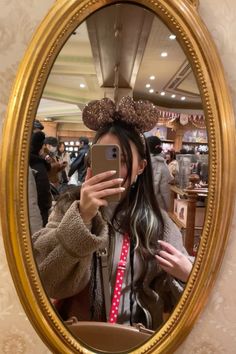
{"type": "Point", "coordinates": [148, 85]}
{"type": "Point", "coordinates": [151, 90]}
{"type": "Point", "coordinates": [152, 77]}
{"type": "Point", "coordinates": [172, 37]}
{"type": "Point", "coordinates": [183, 98]}
{"type": "Point", "coordinates": [82, 85]}
{"type": "Point", "coordinates": [164, 54]}
{"type": "Point", "coordinates": [173, 96]}
{"type": "Point", "coordinates": [163, 93]}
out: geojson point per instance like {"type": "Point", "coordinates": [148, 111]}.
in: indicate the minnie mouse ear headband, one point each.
{"type": "Point", "coordinates": [142, 115]}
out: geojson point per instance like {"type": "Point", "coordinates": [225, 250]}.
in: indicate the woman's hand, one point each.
{"type": "Point", "coordinates": [94, 190]}
{"type": "Point", "coordinates": [174, 262]}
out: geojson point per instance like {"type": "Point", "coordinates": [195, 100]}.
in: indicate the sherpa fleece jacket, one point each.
{"type": "Point", "coordinates": [64, 251]}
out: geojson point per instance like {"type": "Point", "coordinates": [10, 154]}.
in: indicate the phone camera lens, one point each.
{"type": "Point", "coordinates": [114, 149]}
{"type": "Point", "coordinates": [114, 155]}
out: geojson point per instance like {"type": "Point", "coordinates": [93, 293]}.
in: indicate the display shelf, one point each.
{"type": "Point", "coordinates": [184, 203]}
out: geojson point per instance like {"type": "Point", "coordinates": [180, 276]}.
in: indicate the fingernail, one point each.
{"type": "Point", "coordinates": [122, 189]}
{"type": "Point", "coordinates": [112, 172]}
{"type": "Point", "coordinates": [120, 179]}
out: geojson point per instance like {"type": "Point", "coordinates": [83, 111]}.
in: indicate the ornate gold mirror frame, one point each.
{"type": "Point", "coordinates": [182, 18]}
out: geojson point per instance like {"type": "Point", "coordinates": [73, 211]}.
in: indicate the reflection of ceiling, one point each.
{"type": "Point", "coordinates": [118, 46]}
{"type": "Point", "coordinates": [114, 50]}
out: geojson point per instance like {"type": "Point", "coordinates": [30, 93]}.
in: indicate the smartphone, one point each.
{"type": "Point", "coordinates": [106, 158]}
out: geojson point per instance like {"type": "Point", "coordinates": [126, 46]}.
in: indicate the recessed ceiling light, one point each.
{"type": "Point", "coordinates": [152, 77]}
{"type": "Point", "coordinates": [148, 85]}
{"type": "Point", "coordinates": [183, 98]}
{"type": "Point", "coordinates": [82, 85]}
{"type": "Point", "coordinates": [151, 90]}
{"type": "Point", "coordinates": [172, 37]}
{"type": "Point", "coordinates": [173, 96]}
{"type": "Point", "coordinates": [163, 93]}
{"type": "Point", "coordinates": [164, 54]}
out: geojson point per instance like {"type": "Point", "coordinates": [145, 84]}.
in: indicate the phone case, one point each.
{"type": "Point", "coordinates": [106, 158]}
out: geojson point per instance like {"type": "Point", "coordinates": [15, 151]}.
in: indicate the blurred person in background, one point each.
{"type": "Point", "coordinates": [41, 169]}
{"type": "Point", "coordinates": [50, 152]}
{"type": "Point", "coordinates": [172, 164]}
{"type": "Point", "coordinates": [35, 218]}
{"type": "Point", "coordinates": [161, 174]}
{"type": "Point", "coordinates": [37, 126]}
{"type": "Point", "coordinates": [62, 156]}
{"type": "Point", "coordinates": [78, 166]}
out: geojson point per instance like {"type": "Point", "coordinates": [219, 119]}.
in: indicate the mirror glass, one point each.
{"type": "Point", "coordinates": [121, 50]}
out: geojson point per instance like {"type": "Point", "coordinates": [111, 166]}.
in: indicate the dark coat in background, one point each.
{"type": "Point", "coordinates": [43, 186]}
{"type": "Point", "coordinates": [79, 164]}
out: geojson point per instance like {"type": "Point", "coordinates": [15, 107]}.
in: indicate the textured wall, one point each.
{"type": "Point", "coordinates": [215, 330]}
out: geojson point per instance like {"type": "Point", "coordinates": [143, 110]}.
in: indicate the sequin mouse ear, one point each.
{"type": "Point", "coordinates": [142, 115]}
{"type": "Point", "coordinates": [98, 113]}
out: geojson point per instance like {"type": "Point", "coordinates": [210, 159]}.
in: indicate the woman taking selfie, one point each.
{"type": "Point", "coordinates": [139, 245]}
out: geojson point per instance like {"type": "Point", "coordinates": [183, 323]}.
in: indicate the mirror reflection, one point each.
{"type": "Point", "coordinates": [117, 247]}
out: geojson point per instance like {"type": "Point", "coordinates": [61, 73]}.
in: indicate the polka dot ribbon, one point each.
{"type": "Point", "coordinates": [119, 279]}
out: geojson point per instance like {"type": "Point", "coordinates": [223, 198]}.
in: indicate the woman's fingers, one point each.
{"type": "Point", "coordinates": [100, 177]}
{"type": "Point", "coordinates": [168, 247]}
{"type": "Point", "coordinates": [104, 185]}
{"type": "Point", "coordinates": [169, 257]}
{"type": "Point", "coordinates": [174, 262]}
{"type": "Point", "coordinates": [107, 192]}
{"type": "Point", "coordinates": [163, 262]}
{"type": "Point", "coordinates": [88, 174]}
{"type": "Point", "coordinates": [107, 184]}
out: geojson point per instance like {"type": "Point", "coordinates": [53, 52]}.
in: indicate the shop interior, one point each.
{"type": "Point", "coordinates": [149, 64]}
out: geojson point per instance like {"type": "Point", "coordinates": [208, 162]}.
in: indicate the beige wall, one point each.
{"type": "Point", "coordinates": [215, 331]}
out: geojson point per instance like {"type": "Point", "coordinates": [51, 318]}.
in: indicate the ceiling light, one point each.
{"type": "Point", "coordinates": [183, 98]}
{"type": "Point", "coordinates": [152, 77]}
{"type": "Point", "coordinates": [164, 54]}
{"type": "Point", "coordinates": [172, 37]}
{"type": "Point", "coordinates": [163, 93]}
{"type": "Point", "coordinates": [173, 96]}
{"type": "Point", "coordinates": [148, 85]}
{"type": "Point", "coordinates": [151, 90]}
{"type": "Point", "coordinates": [82, 85]}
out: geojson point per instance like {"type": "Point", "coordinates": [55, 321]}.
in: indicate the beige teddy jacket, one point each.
{"type": "Point", "coordinates": [64, 250]}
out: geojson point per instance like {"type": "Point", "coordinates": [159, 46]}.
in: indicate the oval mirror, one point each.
{"type": "Point", "coordinates": [158, 51]}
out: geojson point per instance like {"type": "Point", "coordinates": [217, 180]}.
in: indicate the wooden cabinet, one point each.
{"type": "Point", "coordinates": [186, 214]}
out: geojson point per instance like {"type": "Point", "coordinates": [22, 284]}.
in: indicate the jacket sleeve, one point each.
{"type": "Point", "coordinates": [64, 248]}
